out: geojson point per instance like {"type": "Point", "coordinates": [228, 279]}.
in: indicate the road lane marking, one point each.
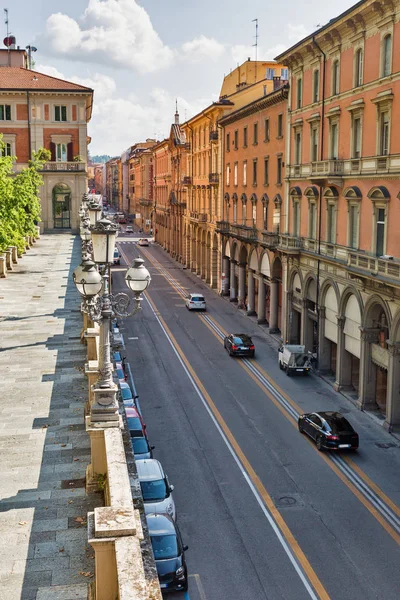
{"type": "Point", "coordinates": [286, 538]}
{"type": "Point", "coordinates": [199, 585]}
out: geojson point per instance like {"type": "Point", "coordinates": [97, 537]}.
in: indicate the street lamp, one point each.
{"type": "Point", "coordinates": [106, 307]}
{"type": "Point", "coordinates": [94, 210]}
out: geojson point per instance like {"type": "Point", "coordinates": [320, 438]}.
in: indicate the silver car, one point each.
{"type": "Point", "coordinates": [156, 489]}
{"type": "Point", "coordinates": [196, 302]}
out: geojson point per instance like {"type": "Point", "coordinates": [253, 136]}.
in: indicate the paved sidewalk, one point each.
{"type": "Point", "coordinates": [44, 447]}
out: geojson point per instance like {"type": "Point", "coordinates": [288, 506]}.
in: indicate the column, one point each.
{"type": "Point", "coordinates": [273, 307]}
{"type": "Point", "coordinates": [250, 293]}
{"type": "Point", "coordinates": [287, 315]}
{"type": "Point", "coordinates": [225, 276]}
{"type": "Point", "coordinates": [261, 301]}
{"type": "Point", "coordinates": [367, 395]}
{"type": "Point", "coordinates": [324, 345]}
{"type": "Point", "coordinates": [393, 390]}
{"type": "Point", "coordinates": [242, 282]}
{"type": "Point", "coordinates": [343, 365]}
{"type": "Point", "coordinates": [233, 297]}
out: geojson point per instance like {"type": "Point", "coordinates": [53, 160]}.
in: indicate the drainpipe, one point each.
{"type": "Point", "coordinates": [29, 124]}
{"type": "Point", "coordinates": [320, 191]}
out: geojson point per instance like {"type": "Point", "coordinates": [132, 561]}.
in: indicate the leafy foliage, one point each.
{"type": "Point", "coordinates": [19, 198]}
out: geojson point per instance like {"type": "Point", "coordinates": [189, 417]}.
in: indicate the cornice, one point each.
{"type": "Point", "coordinates": [271, 99]}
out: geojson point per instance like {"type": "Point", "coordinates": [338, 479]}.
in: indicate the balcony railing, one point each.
{"type": "Point", "coordinates": [64, 166]}
{"type": "Point", "coordinates": [145, 202]}
{"type": "Point", "coordinates": [187, 180]}
{"type": "Point", "coordinates": [270, 239]}
{"type": "Point", "coordinates": [242, 232]}
{"type": "Point", "coordinates": [374, 265]}
{"type": "Point", "coordinates": [198, 217]}
{"type": "Point", "coordinates": [213, 178]}
{"type": "Point", "coordinates": [327, 168]}
{"type": "Point", "coordinates": [368, 165]}
{"type": "Point", "coordinates": [290, 243]}
{"type": "Point", "coordinates": [214, 136]}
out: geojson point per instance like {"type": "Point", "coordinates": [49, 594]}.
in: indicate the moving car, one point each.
{"type": "Point", "coordinates": [239, 344]}
{"type": "Point", "coordinates": [330, 430]}
{"type": "Point", "coordinates": [143, 242]}
{"type": "Point", "coordinates": [169, 552]}
{"type": "Point", "coordinates": [156, 490]}
{"type": "Point", "coordinates": [196, 302]}
{"type": "Point", "coordinates": [141, 448]}
{"type": "Point", "coordinates": [117, 257]}
{"type": "Point", "coordinates": [129, 229]}
{"type": "Point", "coordinates": [136, 425]}
{"type": "Point", "coordinates": [293, 358]}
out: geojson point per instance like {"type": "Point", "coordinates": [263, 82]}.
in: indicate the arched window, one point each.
{"type": "Point", "coordinates": [387, 56]}
{"type": "Point", "coordinates": [244, 202]}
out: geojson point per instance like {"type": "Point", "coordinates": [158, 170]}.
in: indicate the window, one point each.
{"type": "Point", "coordinates": [297, 148]}
{"type": "Point", "coordinates": [299, 96]}
{"type": "Point", "coordinates": [316, 85]}
{"type": "Point", "coordinates": [60, 113]}
{"type": "Point", "coordinates": [312, 220]}
{"type": "Point", "coordinates": [5, 112]}
{"type": "Point", "coordinates": [284, 74]}
{"type": "Point", "coordinates": [335, 77]}
{"type": "Point", "coordinates": [235, 174]}
{"type": "Point", "coordinates": [387, 56]}
{"type": "Point", "coordinates": [7, 150]}
{"type": "Point", "coordinates": [280, 125]}
{"type": "Point", "coordinates": [235, 211]}
{"type": "Point", "coordinates": [266, 171]}
{"type": "Point", "coordinates": [384, 134]}
{"type": "Point", "coordinates": [334, 140]}
{"type": "Point", "coordinates": [353, 226]}
{"type": "Point", "coordinates": [279, 170]}
{"type": "Point", "coordinates": [228, 173]}
{"type": "Point", "coordinates": [380, 231]}
{"type": "Point", "coordinates": [296, 218]}
{"type": "Point", "coordinates": [266, 130]}
{"type": "Point", "coordinates": [330, 224]}
{"type": "Point", "coordinates": [244, 137]}
{"type": "Point", "coordinates": [270, 74]}
{"type": "Point", "coordinates": [255, 171]}
{"type": "Point", "coordinates": [61, 152]}
{"type": "Point", "coordinates": [314, 144]}
{"type": "Point", "coordinates": [358, 68]}
{"type": "Point", "coordinates": [265, 215]}
{"type": "Point", "coordinates": [255, 133]}
{"type": "Point", "coordinates": [245, 172]}
{"type": "Point", "coordinates": [244, 213]}
{"type": "Point", "coordinates": [254, 213]}
{"type": "Point", "coordinates": [356, 137]}
{"type": "Point", "coordinates": [228, 142]}
{"type": "Point", "coordinates": [236, 140]}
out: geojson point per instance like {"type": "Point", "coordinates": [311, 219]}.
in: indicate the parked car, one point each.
{"type": "Point", "coordinates": [293, 358]}
{"type": "Point", "coordinates": [143, 242]}
{"type": "Point", "coordinates": [330, 430]}
{"type": "Point", "coordinates": [129, 229]}
{"type": "Point", "coordinates": [119, 372]}
{"type": "Point", "coordinates": [156, 490]}
{"type": "Point", "coordinates": [239, 344]}
{"type": "Point", "coordinates": [126, 394]}
{"type": "Point", "coordinates": [196, 302]}
{"type": "Point", "coordinates": [136, 425]}
{"type": "Point", "coordinates": [141, 447]}
{"type": "Point", "coordinates": [169, 552]}
{"type": "Point", "coordinates": [117, 257]}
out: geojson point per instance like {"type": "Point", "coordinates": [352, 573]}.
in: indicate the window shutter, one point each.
{"type": "Point", "coordinates": [56, 113]}
{"type": "Point", "coordinates": [63, 113]}
{"type": "Point", "coordinates": [53, 151]}
{"type": "Point", "coordinates": [8, 112]}
{"type": "Point", "coordinates": [70, 152]}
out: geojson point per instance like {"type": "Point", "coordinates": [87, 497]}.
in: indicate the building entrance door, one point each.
{"type": "Point", "coordinates": [62, 206]}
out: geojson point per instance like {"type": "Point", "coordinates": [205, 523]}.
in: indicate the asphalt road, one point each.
{"type": "Point", "coordinates": [265, 515]}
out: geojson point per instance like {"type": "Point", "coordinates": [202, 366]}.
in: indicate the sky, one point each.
{"type": "Point", "coordinates": [140, 56]}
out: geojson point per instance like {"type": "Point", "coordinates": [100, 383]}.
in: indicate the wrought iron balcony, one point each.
{"type": "Point", "coordinates": [187, 180]}
{"type": "Point", "coordinates": [213, 178]}
{"type": "Point", "coordinates": [214, 136]}
{"type": "Point", "coordinates": [64, 166]}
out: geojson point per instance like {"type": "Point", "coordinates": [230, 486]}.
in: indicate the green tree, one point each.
{"type": "Point", "coordinates": [19, 198]}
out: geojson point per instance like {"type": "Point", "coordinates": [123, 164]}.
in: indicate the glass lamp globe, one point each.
{"type": "Point", "coordinates": [104, 234]}
{"type": "Point", "coordinates": [87, 279]}
{"type": "Point", "coordinates": [137, 277]}
{"type": "Point", "coordinates": [94, 211]}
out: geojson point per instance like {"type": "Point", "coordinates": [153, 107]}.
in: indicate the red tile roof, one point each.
{"type": "Point", "coordinates": [18, 78]}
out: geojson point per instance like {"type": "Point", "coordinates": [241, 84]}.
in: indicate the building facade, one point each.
{"type": "Point", "coordinates": [340, 242]}
{"type": "Point", "coordinates": [39, 111]}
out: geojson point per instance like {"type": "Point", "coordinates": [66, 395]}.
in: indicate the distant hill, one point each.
{"type": "Point", "coordinates": [100, 158]}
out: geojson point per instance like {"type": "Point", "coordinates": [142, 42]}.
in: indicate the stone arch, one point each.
{"type": "Point", "coordinates": [331, 192]}
{"type": "Point", "coordinates": [296, 272]}
{"type": "Point", "coordinates": [265, 199]}
{"type": "Point", "coordinates": [253, 260]}
{"type": "Point", "coordinates": [227, 249]}
{"type": "Point", "coordinates": [310, 287]}
{"type": "Point", "coordinates": [370, 312]}
{"type": "Point", "coordinates": [295, 192]}
{"type": "Point", "coordinates": [243, 254]}
{"type": "Point", "coordinates": [253, 198]}
{"type": "Point", "coordinates": [276, 270]}
{"type": "Point", "coordinates": [379, 192]}
{"type": "Point", "coordinates": [311, 192]}
{"type": "Point", "coordinates": [265, 265]}
{"type": "Point", "coordinates": [352, 193]}
{"type": "Point", "coordinates": [395, 329]}
{"type": "Point", "coordinates": [243, 198]}
{"type": "Point", "coordinates": [347, 292]}
{"type": "Point", "coordinates": [227, 197]}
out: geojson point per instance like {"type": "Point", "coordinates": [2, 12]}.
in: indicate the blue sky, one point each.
{"type": "Point", "coordinates": [141, 55]}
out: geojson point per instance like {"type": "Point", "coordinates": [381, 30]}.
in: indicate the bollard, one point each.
{"type": "Point", "coordinates": [14, 254]}
{"type": "Point", "coordinates": [3, 266]}
{"type": "Point", "coordinates": [8, 256]}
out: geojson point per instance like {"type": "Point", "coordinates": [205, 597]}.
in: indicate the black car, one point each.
{"type": "Point", "coordinates": [330, 430]}
{"type": "Point", "coordinates": [239, 344]}
{"type": "Point", "coordinates": [169, 552]}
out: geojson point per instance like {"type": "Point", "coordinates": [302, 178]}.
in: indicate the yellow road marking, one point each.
{"type": "Point", "coordinates": [291, 540]}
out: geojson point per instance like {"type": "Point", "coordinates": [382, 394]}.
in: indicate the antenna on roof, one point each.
{"type": "Point", "coordinates": [256, 46]}
{"type": "Point", "coordinates": [8, 46]}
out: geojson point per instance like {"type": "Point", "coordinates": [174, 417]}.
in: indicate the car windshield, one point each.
{"type": "Point", "coordinates": [197, 299]}
{"type": "Point", "coordinates": [120, 374]}
{"type": "Point", "coordinates": [116, 253]}
{"type": "Point", "coordinates": [126, 394]}
{"type": "Point", "coordinates": [134, 425]}
{"type": "Point", "coordinates": [243, 340]}
{"type": "Point", "coordinates": [164, 546]}
{"type": "Point", "coordinates": [340, 424]}
{"type": "Point", "coordinates": [140, 445]}
{"type": "Point", "coordinates": [154, 491]}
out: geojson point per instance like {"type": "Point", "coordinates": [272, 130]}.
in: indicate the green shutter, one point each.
{"type": "Point", "coordinates": [8, 112]}
{"type": "Point", "coordinates": [57, 113]}
{"type": "Point", "coordinates": [1, 112]}
{"type": "Point", "coordinates": [63, 113]}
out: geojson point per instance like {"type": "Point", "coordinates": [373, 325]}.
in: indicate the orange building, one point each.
{"type": "Point", "coordinates": [141, 183]}
{"type": "Point", "coordinates": [340, 239]}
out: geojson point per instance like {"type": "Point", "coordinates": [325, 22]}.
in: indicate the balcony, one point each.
{"type": "Point", "coordinates": [198, 217]}
{"type": "Point", "coordinates": [373, 265]}
{"type": "Point", "coordinates": [270, 240]}
{"type": "Point", "coordinates": [187, 180]}
{"type": "Point", "coordinates": [214, 136]}
{"type": "Point", "coordinates": [145, 202]}
{"type": "Point", "coordinates": [290, 244]}
{"type": "Point", "coordinates": [336, 169]}
{"type": "Point", "coordinates": [241, 232]}
{"type": "Point", "coordinates": [64, 166]}
{"type": "Point", "coordinates": [213, 178]}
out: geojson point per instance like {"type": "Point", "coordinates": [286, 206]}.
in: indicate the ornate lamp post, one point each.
{"type": "Point", "coordinates": [104, 308]}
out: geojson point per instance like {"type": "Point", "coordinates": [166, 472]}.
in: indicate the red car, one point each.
{"type": "Point", "coordinates": [136, 425]}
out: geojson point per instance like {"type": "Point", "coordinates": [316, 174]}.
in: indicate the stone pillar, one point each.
{"type": "Point", "coordinates": [273, 307]}
{"type": "Point", "coordinates": [261, 301]}
{"type": "Point", "coordinates": [343, 365]}
{"type": "Point", "coordinates": [304, 319]}
{"type": "Point", "coordinates": [367, 395]}
{"type": "Point", "coordinates": [225, 276]}
{"type": "Point", "coordinates": [14, 254]}
{"type": "Point", "coordinates": [3, 266]}
{"type": "Point", "coordinates": [233, 296]}
{"type": "Point", "coordinates": [287, 315]}
{"type": "Point", "coordinates": [250, 294]}
{"type": "Point", "coordinates": [8, 256]}
{"type": "Point", "coordinates": [392, 421]}
{"type": "Point", "coordinates": [242, 282]}
{"type": "Point", "coordinates": [324, 355]}
{"type": "Point", "coordinates": [91, 336]}
{"type": "Point", "coordinates": [98, 456]}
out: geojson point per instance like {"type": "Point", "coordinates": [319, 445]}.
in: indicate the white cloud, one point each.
{"type": "Point", "coordinates": [203, 47]}
{"type": "Point", "coordinates": [113, 32]}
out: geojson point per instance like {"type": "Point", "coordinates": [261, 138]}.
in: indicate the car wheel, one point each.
{"type": "Point", "coordinates": [230, 353]}
{"type": "Point", "coordinates": [186, 586]}
{"type": "Point", "coordinates": [299, 425]}
{"type": "Point", "coordinates": [319, 443]}
{"type": "Point", "coordinates": [252, 355]}
{"type": "Point", "coordinates": [288, 373]}
{"type": "Point", "coordinates": [280, 365]}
